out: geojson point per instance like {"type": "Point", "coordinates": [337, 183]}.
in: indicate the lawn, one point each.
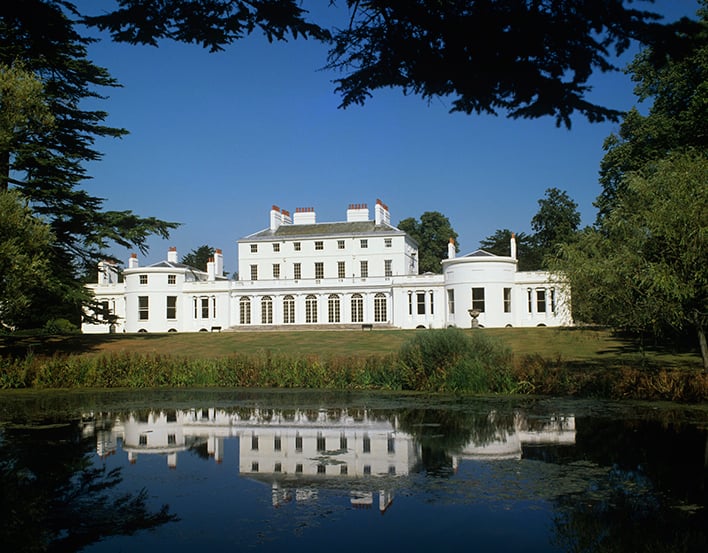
{"type": "Point", "coordinates": [569, 345]}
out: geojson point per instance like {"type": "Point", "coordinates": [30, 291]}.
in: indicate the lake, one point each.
{"type": "Point", "coordinates": [276, 470]}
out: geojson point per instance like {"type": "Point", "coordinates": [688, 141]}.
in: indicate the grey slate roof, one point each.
{"type": "Point", "coordinates": [323, 229]}
{"type": "Point", "coordinates": [191, 273]}
{"type": "Point", "coordinates": [480, 253]}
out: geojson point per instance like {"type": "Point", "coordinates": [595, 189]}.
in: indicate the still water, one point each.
{"type": "Point", "coordinates": [270, 471]}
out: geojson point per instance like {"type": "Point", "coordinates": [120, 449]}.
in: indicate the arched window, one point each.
{"type": "Point", "coordinates": [244, 311]}
{"type": "Point", "coordinates": [311, 309]}
{"type": "Point", "coordinates": [266, 310]}
{"type": "Point", "coordinates": [380, 315]}
{"type": "Point", "coordinates": [288, 310]}
{"type": "Point", "coordinates": [357, 308]}
{"type": "Point", "coordinates": [333, 309]}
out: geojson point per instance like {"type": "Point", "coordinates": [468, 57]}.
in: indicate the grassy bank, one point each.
{"type": "Point", "coordinates": [578, 362]}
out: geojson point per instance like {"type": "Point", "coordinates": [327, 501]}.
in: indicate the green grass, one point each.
{"type": "Point", "coordinates": [567, 345]}
{"type": "Point", "coordinates": [552, 362]}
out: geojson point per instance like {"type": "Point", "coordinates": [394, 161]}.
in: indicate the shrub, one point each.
{"type": "Point", "coordinates": [455, 360]}
{"type": "Point", "coordinates": [60, 326]}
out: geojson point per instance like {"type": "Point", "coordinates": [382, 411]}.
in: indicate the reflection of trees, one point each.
{"type": "Point", "coordinates": [444, 432]}
{"type": "Point", "coordinates": [622, 514]}
{"type": "Point", "coordinates": [52, 499]}
{"type": "Point", "coordinates": [651, 500]}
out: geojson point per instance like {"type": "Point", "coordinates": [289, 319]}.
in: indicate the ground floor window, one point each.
{"type": "Point", "coordinates": [530, 300]}
{"type": "Point", "coordinates": [288, 310]}
{"type": "Point", "coordinates": [420, 299]}
{"type": "Point", "coordinates": [311, 309]}
{"type": "Point", "coordinates": [541, 301]}
{"type": "Point", "coordinates": [205, 308]}
{"type": "Point", "coordinates": [171, 307]}
{"type": "Point", "coordinates": [357, 308]}
{"type": "Point", "coordinates": [380, 312]}
{"type": "Point", "coordinates": [267, 310]}
{"type": "Point", "coordinates": [143, 308]}
{"type": "Point", "coordinates": [244, 311]}
{"type": "Point", "coordinates": [478, 299]}
{"type": "Point", "coordinates": [333, 308]}
{"type": "Point", "coordinates": [507, 300]}
{"type": "Point", "coordinates": [451, 302]}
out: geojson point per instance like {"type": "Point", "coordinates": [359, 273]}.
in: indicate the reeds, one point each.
{"type": "Point", "coordinates": [447, 361]}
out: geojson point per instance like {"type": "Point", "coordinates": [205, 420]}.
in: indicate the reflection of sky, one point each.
{"type": "Point", "coordinates": [224, 507]}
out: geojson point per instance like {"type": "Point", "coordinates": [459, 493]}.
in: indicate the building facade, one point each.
{"type": "Point", "coordinates": [360, 273]}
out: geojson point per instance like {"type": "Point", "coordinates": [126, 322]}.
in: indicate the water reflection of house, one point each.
{"type": "Point", "coordinates": [508, 443]}
{"type": "Point", "coordinates": [300, 452]}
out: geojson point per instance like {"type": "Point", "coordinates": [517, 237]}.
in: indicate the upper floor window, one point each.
{"type": "Point", "coordinates": [276, 247]}
{"type": "Point", "coordinates": [254, 272]}
{"type": "Point", "coordinates": [297, 271]}
{"type": "Point", "coordinates": [319, 245]}
{"type": "Point", "coordinates": [364, 269]}
{"type": "Point", "coordinates": [254, 248]}
{"type": "Point", "coordinates": [387, 242]}
{"type": "Point", "coordinates": [296, 246]}
{"type": "Point", "coordinates": [364, 243]}
{"type": "Point", "coordinates": [319, 269]}
{"type": "Point", "coordinates": [171, 279]}
{"type": "Point", "coordinates": [388, 271]}
{"type": "Point", "coordinates": [143, 279]}
{"type": "Point", "coordinates": [341, 269]}
{"type": "Point", "coordinates": [340, 244]}
{"type": "Point", "coordinates": [276, 270]}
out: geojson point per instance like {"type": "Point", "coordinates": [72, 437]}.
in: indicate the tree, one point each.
{"type": "Point", "coordinates": [24, 113]}
{"type": "Point", "coordinates": [499, 243]}
{"type": "Point", "coordinates": [45, 163]}
{"type": "Point", "coordinates": [676, 120]}
{"type": "Point", "coordinates": [24, 268]}
{"type": "Point", "coordinates": [433, 234]}
{"type": "Point", "coordinates": [199, 258]}
{"type": "Point", "coordinates": [556, 221]}
{"type": "Point", "coordinates": [528, 59]}
{"type": "Point", "coordinates": [644, 268]}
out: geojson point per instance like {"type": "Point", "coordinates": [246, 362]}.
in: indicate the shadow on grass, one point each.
{"type": "Point", "coordinates": [49, 345]}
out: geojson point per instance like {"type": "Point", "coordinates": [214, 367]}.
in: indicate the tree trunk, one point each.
{"type": "Point", "coordinates": [704, 347]}
{"type": "Point", "coordinates": [4, 171]}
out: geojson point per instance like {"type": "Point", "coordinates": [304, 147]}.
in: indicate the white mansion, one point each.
{"type": "Point", "coordinates": [359, 273]}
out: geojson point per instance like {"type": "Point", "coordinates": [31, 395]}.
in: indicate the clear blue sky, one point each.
{"type": "Point", "coordinates": [216, 139]}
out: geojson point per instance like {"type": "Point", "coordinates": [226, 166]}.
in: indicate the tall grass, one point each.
{"type": "Point", "coordinates": [447, 361]}
{"type": "Point", "coordinates": [451, 360]}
